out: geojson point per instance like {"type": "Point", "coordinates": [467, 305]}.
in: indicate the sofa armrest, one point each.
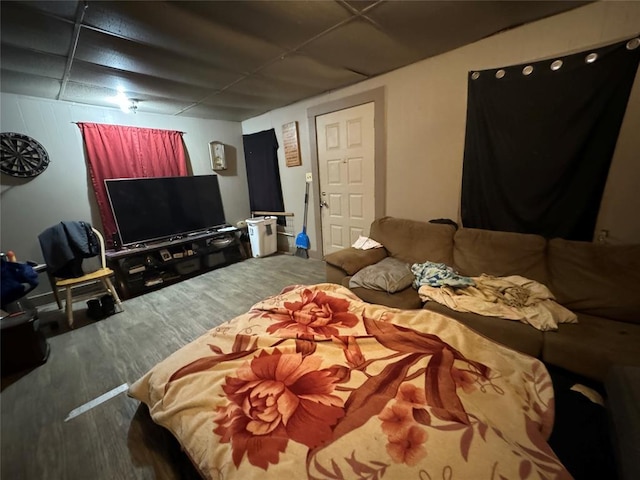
{"type": "Point", "coordinates": [352, 260]}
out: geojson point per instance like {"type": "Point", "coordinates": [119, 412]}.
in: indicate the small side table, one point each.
{"type": "Point", "coordinates": [23, 344]}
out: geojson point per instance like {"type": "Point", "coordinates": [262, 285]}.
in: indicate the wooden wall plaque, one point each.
{"type": "Point", "coordinates": [291, 144]}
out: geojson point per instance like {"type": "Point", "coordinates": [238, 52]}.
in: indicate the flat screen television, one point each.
{"type": "Point", "coordinates": [148, 209]}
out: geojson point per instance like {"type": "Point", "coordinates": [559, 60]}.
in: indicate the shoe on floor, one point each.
{"type": "Point", "coordinates": [108, 305]}
{"type": "Point", "coordinates": [94, 310]}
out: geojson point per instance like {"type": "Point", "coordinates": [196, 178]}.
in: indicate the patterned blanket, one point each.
{"type": "Point", "coordinates": [314, 383]}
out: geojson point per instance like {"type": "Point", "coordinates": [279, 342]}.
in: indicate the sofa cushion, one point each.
{"type": "Point", "coordinates": [389, 275]}
{"type": "Point", "coordinates": [406, 299]}
{"type": "Point", "coordinates": [597, 279]}
{"type": "Point", "coordinates": [414, 242]}
{"type": "Point", "coordinates": [334, 274]}
{"type": "Point", "coordinates": [510, 333]}
{"type": "Point", "coordinates": [591, 346]}
{"type": "Point", "coordinates": [352, 259]}
{"type": "Point", "coordinates": [477, 251]}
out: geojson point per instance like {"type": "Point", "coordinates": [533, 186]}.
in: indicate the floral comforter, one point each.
{"type": "Point", "coordinates": [313, 383]}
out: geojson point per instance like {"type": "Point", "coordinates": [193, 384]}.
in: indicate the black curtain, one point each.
{"type": "Point", "coordinates": [263, 174]}
{"type": "Point", "coordinates": [539, 141]}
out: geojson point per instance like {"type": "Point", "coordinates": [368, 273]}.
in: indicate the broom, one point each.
{"type": "Point", "coordinates": [302, 240]}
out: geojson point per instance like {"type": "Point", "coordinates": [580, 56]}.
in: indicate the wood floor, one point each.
{"type": "Point", "coordinates": [117, 439]}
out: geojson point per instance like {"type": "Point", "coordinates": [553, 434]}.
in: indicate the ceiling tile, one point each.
{"type": "Point", "coordinates": [97, 95]}
{"type": "Point", "coordinates": [274, 89]}
{"type": "Point", "coordinates": [114, 52]}
{"type": "Point", "coordinates": [247, 101]}
{"type": "Point", "coordinates": [283, 23]}
{"type": "Point", "coordinates": [165, 106]}
{"type": "Point", "coordinates": [221, 113]}
{"type": "Point", "coordinates": [60, 8]}
{"type": "Point", "coordinates": [40, 32]}
{"type": "Point", "coordinates": [518, 12]}
{"type": "Point", "coordinates": [370, 51]}
{"type": "Point", "coordinates": [88, 94]}
{"type": "Point", "coordinates": [27, 84]}
{"type": "Point", "coordinates": [427, 26]}
{"type": "Point", "coordinates": [361, 4]}
{"type": "Point", "coordinates": [177, 30]}
{"type": "Point", "coordinates": [301, 69]}
{"type": "Point", "coordinates": [135, 85]}
{"type": "Point", "coordinates": [231, 59]}
{"type": "Point", "coordinates": [36, 63]}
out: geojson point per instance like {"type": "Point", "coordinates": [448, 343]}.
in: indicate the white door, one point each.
{"type": "Point", "coordinates": [347, 175]}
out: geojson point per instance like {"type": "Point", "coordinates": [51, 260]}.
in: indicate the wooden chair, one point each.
{"type": "Point", "coordinates": [101, 275]}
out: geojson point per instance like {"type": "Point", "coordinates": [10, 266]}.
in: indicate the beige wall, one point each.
{"type": "Point", "coordinates": [426, 112]}
{"type": "Point", "coordinates": [63, 191]}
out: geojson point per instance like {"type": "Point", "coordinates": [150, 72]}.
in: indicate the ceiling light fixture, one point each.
{"type": "Point", "coordinates": [127, 105]}
{"type": "Point", "coordinates": [133, 105]}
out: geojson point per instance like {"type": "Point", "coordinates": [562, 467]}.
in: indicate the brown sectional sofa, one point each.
{"type": "Point", "coordinates": [600, 283]}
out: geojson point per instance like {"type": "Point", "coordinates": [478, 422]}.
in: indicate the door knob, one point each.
{"type": "Point", "coordinates": [323, 204]}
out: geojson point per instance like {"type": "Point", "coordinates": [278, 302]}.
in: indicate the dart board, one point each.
{"type": "Point", "coordinates": [22, 156]}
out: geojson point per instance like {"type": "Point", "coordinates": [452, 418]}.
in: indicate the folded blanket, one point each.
{"type": "Point", "coordinates": [511, 298]}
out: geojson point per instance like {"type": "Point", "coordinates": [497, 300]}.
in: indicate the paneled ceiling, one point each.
{"type": "Point", "coordinates": [232, 60]}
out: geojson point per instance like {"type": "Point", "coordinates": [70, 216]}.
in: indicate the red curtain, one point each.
{"type": "Point", "coordinates": [116, 151]}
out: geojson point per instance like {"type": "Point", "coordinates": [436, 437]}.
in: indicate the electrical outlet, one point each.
{"type": "Point", "coordinates": [309, 177]}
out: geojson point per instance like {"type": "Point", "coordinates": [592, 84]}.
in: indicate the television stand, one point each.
{"type": "Point", "coordinates": [145, 268]}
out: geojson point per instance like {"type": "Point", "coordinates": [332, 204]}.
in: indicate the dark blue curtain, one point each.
{"type": "Point", "coordinates": [539, 141]}
{"type": "Point", "coordinates": [263, 173]}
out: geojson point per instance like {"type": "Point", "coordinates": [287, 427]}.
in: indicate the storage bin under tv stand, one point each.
{"type": "Point", "coordinates": [146, 268]}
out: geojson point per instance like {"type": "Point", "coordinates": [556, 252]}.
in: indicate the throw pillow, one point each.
{"type": "Point", "coordinates": [389, 275]}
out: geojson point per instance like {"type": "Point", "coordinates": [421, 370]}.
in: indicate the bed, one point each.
{"type": "Point", "coordinates": [314, 383]}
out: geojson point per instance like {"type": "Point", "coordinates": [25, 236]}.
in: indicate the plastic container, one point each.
{"type": "Point", "coordinates": [188, 266]}
{"type": "Point", "coordinates": [214, 259]}
{"type": "Point", "coordinates": [263, 236]}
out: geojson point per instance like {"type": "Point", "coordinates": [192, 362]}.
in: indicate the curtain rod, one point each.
{"type": "Point", "coordinates": [179, 131]}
